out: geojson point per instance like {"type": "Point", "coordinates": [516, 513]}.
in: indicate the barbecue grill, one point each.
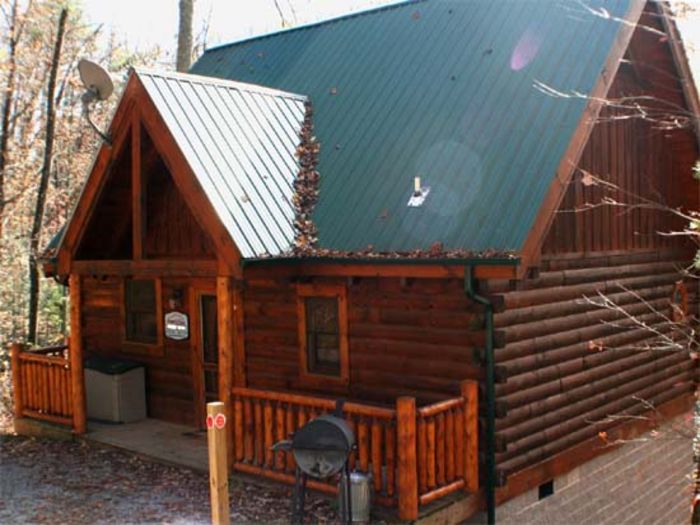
{"type": "Point", "coordinates": [321, 449]}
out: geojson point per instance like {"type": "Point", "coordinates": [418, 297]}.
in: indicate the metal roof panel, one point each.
{"type": "Point", "coordinates": [445, 90]}
{"type": "Point", "coordinates": [240, 141]}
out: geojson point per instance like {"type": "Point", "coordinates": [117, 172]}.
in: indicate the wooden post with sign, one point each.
{"type": "Point", "coordinates": [218, 466]}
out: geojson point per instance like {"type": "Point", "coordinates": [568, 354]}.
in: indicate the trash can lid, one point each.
{"type": "Point", "coordinates": [111, 366]}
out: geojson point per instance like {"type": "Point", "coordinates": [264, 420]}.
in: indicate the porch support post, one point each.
{"type": "Point", "coordinates": [226, 295]}
{"type": "Point", "coordinates": [17, 387]}
{"type": "Point", "coordinates": [408, 465]}
{"type": "Point", "coordinates": [75, 355]}
{"type": "Point", "coordinates": [470, 393]}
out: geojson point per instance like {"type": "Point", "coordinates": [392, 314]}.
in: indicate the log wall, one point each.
{"type": "Point", "coordinates": [569, 364]}
{"type": "Point", "coordinates": [169, 387]}
{"type": "Point", "coordinates": [406, 337]}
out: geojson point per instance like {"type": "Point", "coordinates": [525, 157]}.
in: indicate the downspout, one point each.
{"type": "Point", "coordinates": [470, 291]}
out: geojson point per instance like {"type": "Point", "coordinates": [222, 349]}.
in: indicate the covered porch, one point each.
{"type": "Point", "coordinates": [415, 454]}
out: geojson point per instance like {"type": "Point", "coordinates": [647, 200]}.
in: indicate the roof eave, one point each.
{"type": "Point", "coordinates": [380, 260]}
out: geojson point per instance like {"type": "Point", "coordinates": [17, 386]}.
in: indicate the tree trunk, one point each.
{"type": "Point", "coordinates": [184, 36]}
{"type": "Point", "coordinates": [43, 182]}
{"type": "Point", "coordinates": [7, 106]}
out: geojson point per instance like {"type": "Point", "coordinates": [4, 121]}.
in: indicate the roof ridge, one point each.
{"type": "Point", "coordinates": [340, 18]}
{"type": "Point", "coordinates": [234, 84]}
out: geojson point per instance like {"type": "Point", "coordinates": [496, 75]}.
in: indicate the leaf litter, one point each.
{"type": "Point", "coordinates": [77, 482]}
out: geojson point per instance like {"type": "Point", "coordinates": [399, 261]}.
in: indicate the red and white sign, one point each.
{"type": "Point", "coordinates": [210, 422]}
{"type": "Point", "coordinates": [220, 421]}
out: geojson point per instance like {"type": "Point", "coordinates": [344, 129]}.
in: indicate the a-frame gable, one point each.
{"type": "Point", "coordinates": [136, 111]}
{"type": "Point", "coordinates": [531, 249]}
{"type": "Point", "coordinates": [639, 156]}
{"type": "Point", "coordinates": [644, 22]}
{"type": "Point", "coordinates": [169, 228]}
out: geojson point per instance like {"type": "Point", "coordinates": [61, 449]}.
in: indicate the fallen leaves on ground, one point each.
{"type": "Point", "coordinates": [76, 482]}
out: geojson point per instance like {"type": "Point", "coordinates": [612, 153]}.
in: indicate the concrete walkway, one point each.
{"type": "Point", "coordinates": [162, 441]}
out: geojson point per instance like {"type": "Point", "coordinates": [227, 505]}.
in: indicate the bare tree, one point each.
{"type": "Point", "coordinates": [184, 36]}
{"type": "Point", "coordinates": [15, 27]}
{"type": "Point", "coordinates": [44, 181]}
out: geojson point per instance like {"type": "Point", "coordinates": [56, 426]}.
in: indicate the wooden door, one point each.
{"type": "Point", "coordinates": [205, 351]}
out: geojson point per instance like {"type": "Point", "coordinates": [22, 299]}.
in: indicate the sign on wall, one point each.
{"type": "Point", "coordinates": [177, 326]}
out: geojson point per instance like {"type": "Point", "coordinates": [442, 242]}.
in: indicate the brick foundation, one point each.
{"type": "Point", "coordinates": [646, 481]}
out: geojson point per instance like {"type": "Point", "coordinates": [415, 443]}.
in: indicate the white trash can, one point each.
{"type": "Point", "coordinates": [115, 390]}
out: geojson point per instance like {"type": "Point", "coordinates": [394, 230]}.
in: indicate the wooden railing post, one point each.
{"type": "Point", "coordinates": [75, 355]}
{"type": "Point", "coordinates": [17, 386]}
{"type": "Point", "coordinates": [470, 393]}
{"type": "Point", "coordinates": [408, 468]}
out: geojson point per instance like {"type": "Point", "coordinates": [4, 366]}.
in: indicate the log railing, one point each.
{"type": "Point", "coordinates": [42, 384]}
{"type": "Point", "coordinates": [415, 456]}
{"type": "Point", "coordinates": [262, 418]}
{"type": "Point", "coordinates": [447, 446]}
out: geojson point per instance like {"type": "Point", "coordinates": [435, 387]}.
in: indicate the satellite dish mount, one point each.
{"type": "Point", "coordinates": [98, 87]}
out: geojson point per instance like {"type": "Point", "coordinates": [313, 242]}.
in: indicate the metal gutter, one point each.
{"type": "Point", "coordinates": [470, 291]}
{"type": "Point", "coordinates": [425, 261]}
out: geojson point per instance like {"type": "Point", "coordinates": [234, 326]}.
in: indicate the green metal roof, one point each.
{"type": "Point", "coordinates": [444, 90]}
{"type": "Point", "coordinates": [240, 141]}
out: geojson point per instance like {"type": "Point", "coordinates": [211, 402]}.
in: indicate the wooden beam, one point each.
{"type": "Point", "coordinates": [75, 353]}
{"type": "Point", "coordinates": [137, 195]}
{"type": "Point", "coordinates": [225, 320]}
{"type": "Point", "coordinates": [355, 269]}
{"type": "Point", "coordinates": [531, 251]}
{"type": "Point", "coordinates": [148, 268]}
{"type": "Point", "coordinates": [239, 356]}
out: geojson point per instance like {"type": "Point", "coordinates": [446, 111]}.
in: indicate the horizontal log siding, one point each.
{"type": "Point", "coordinates": [559, 388]}
{"type": "Point", "coordinates": [406, 337]}
{"type": "Point", "coordinates": [168, 367]}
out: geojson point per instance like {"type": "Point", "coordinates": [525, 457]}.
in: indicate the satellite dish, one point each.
{"type": "Point", "coordinates": [98, 87]}
{"type": "Point", "coordinates": [95, 79]}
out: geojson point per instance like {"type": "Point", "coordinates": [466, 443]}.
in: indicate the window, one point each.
{"type": "Point", "coordinates": [323, 336]}
{"type": "Point", "coordinates": [141, 311]}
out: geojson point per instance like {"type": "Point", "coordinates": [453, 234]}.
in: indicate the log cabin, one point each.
{"type": "Point", "coordinates": [403, 208]}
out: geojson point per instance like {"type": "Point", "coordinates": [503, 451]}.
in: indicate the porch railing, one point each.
{"type": "Point", "coordinates": [415, 456]}
{"type": "Point", "coordinates": [42, 384]}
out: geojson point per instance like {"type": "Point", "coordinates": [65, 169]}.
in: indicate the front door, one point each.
{"type": "Point", "coordinates": [206, 351]}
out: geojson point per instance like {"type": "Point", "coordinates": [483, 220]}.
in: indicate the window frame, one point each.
{"type": "Point", "coordinates": [339, 292]}
{"type": "Point", "coordinates": [151, 348]}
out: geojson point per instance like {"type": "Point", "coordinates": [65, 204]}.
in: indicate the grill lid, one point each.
{"type": "Point", "coordinates": [321, 447]}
